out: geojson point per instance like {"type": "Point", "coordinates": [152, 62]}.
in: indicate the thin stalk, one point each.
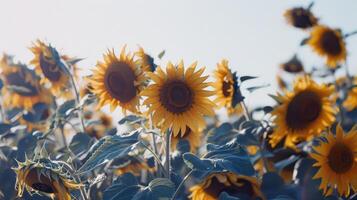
{"type": "Point", "coordinates": [262, 148]}
{"type": "Point", "coordinates": [167, 152]}
{"type": "Point", "coordinates": [3, 117]}
{"type": "Point", "coordinates": [262, 143]}
{"type": "Point", "coordinates": [350, 34]}
{"type": "Point", "coordinates": [63, 137]}
{"type": "Point", "coordinates": [348, 74]}
{"type": "Point", "coordinates": [80, 115]}
{"type": "Point", "coordinates": [154, 141]}
{"type": "Point", "coordinates": [181, 184]}
{"type": "Point", "coordinates": [154, 154]}
{"type": "Point", "coordinates": [76, 93]}
{"type": "Point", "coordinates": [245, 111]}
{"type": "Point", "coordinates": [337, 88]}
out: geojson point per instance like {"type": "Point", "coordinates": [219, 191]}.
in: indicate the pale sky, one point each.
{"type": "Point", "coordinates": [251, 34]}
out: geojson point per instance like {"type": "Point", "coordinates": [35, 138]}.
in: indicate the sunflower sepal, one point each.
{"type": "Point", "coordinates": [237, 95]}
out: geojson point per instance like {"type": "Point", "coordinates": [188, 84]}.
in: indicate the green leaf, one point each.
{"type": "Point", "coordinates": [246, 78]}
{"type": "Point", "coordinates": [229, 157]}
{"type": "Point", "coordinates": [65, 107]}
{"type": "Point", "coordinates": [80, 143]}
{"type": "Point", "coordinates": [4, 128]}
{"type": "Point", "coordinates": [161, 54]}
{"type": "Point", "coordinates": [222, 134]}
{"type": "Point", "coordinates": [125, 187]}
{"type": "Point", "coordinates": [109, 148]}
{"type": "Point", "coordinates": [304, 41]}
{"type": "Point", "coordinates": [273, 187]}
{"type": "Point", "coordinates": [303, 177]}
{"type": "Point", "coordinates": [275, 97]}
{"type": "Point", "coordinates": [252, 89]}
{"type": "Point", "coordinates": [18, 89]}
{"type": "Point", "coordinates": [158, 189]}
{"type": "Point", "coordinates": [225, 196]}
{"type": "Point", "coordinates": [131, 119]}
{"type": "Point", "coordinates": [193, 162]}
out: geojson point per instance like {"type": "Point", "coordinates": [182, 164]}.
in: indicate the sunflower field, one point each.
{"type": "Point", "coordinates": [58, 142]}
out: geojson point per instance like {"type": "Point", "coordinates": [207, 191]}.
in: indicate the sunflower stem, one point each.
{"type": "Point", "coordinates": [245, 111]}
{"type": "Point", "coordinates": [350, 34]}
{"type": "Point", "coordinates": [154, 141]}
{"type": "Point", "coordinates": [3, 118]}
{"type": "Point", "coordinates": [181, 184]}
{"type": "Point", "coordinates": [348, 75]}
{"type": "Point", "coordinates": [262, 152]}
{"type": "Point", "coordinates": [167, 161]}
{"type": "Point", "coordinates": [340, 108]}
{"type": "Point", "coordinates": [157, 159]}
{"type": "Point", "coordinates": [64, 140]}
{"type": "Point", "coordinates": [77, 98]}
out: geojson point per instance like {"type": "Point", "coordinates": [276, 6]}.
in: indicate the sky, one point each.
{"type": "Point", "coordinates": [252, 35]}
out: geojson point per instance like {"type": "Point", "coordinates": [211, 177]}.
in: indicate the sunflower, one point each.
{"type": "Point", "coordinates": [101, 124]}
{"type": "Point", "coordinates": [118, 81]}
{"type": "Point", "coordinates": [294, 65]}
{"type": "Point", "coordinates": [37, 118]}
{"type": "Point", "coordinates": [51, 67]}
{"type": "Point", "coordinates": [225, 87]}
{"type": "Point", "coordinates": [45, 177]}
{"type": "Point", "coordinates": [193, 138]}
{"type": "Point", "coordinates": [146, 61]}
{"type": "Point", "coordinates": [86, 89]}
{"type": "Point", "coordinates": [234, 185]}
{"type": "Point", "coordinates": [21, 86]}
{"type": "Point", "coordinates": [177, 99]}
{"type": "Point", "coordinates": [300, 18]}
{"type": "Point", "coordinates": [336, 159]}
{"type": "Point", "coordinates": [351, 101]}
{"type": "Point", "coordinates": [328, 43]}
{"type": "Point", "coordinates": [303, 113]}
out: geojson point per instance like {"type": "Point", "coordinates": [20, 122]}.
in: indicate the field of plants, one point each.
{"type": "Point", "coordinates": [57, 141]}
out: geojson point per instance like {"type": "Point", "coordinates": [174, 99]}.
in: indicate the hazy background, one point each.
{"type": "Point", "coordinates": [252, 34]}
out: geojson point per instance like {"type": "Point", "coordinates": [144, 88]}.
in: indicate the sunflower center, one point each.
{"type": "Point", "coordinates": [293, 66]}
{"type": "Point", "coordinates": [39, 182]}
{"type": "Point", "coordinates": [330, 42]}
{"type": "Point", "coordinates": [226, 86]}
{"type": "Point", "coordinates": [25, 88]}
{"type": "Point", "coordinates": [49, 69]}
{"type": "Point", "coordinates": [45, 114]}
{"type": "Point", "coordinates": [340, 158]}
{"type": "Point", "coordinates": [106, 121]}
{"type": "Point", "coordinates": [303, 109]}
{"type": "Point", "coordinates": [302, 18]}
{"type": "Point", "coordinates": [176, 96]}
{"type": "Point", "coordinates": [216, 188]}
{"type": "Point", "coordinates": [42, 187]}
{"type": "Point", "coordinates": [119, 80]}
